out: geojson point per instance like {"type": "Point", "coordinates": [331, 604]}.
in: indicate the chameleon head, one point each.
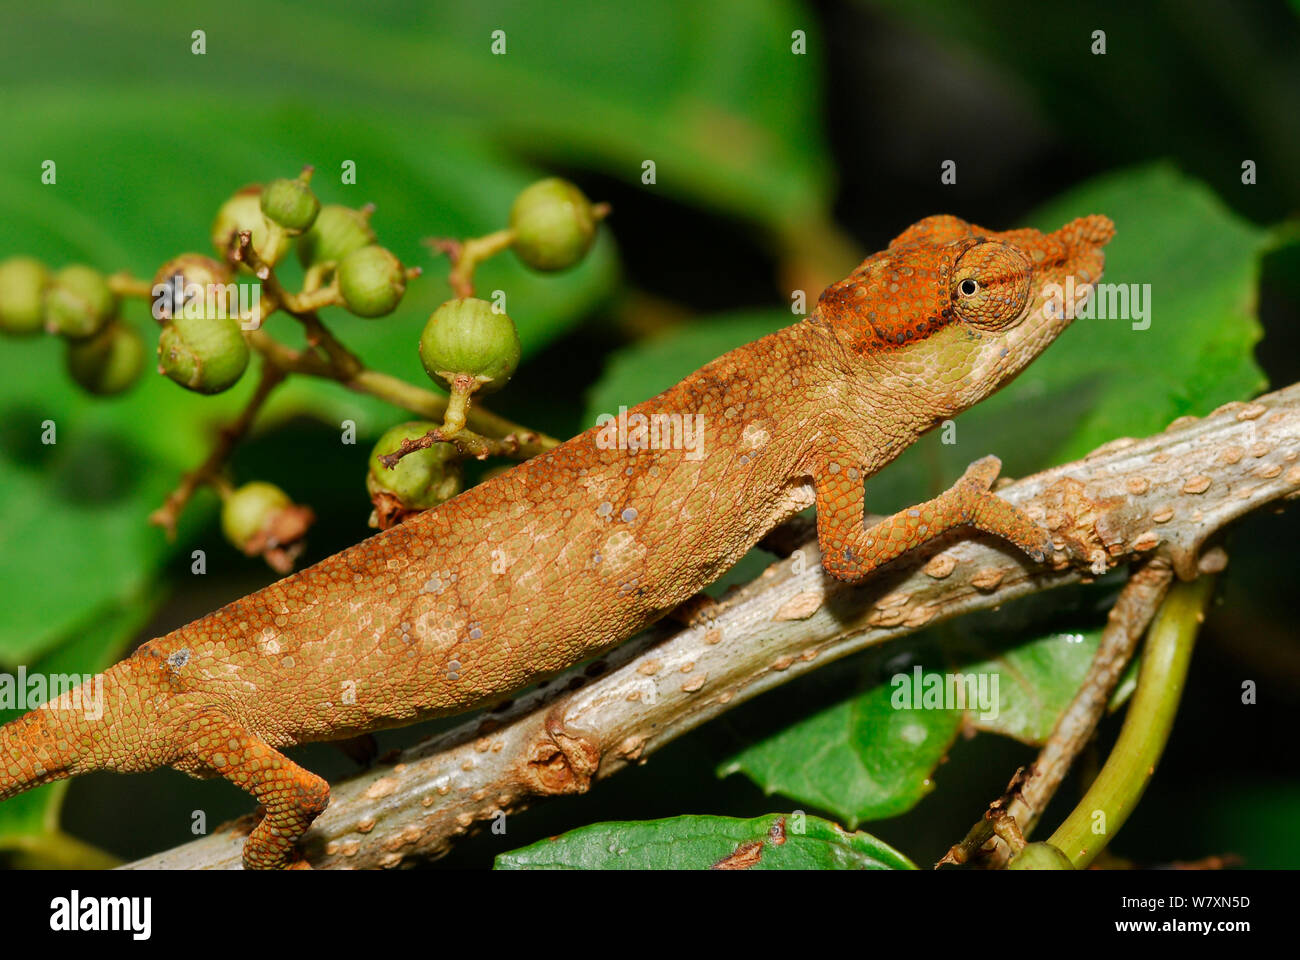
{"type": "Point", "coordinates": [956, 311]}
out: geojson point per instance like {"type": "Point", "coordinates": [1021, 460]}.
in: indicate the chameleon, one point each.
{"type": "Point", "coordinates": [579, 548]}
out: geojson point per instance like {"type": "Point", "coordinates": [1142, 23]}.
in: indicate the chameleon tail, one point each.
{"type": "Point", "coordinates": [53, 741]}
{"type": "Point", "coordinates": [32, 753]}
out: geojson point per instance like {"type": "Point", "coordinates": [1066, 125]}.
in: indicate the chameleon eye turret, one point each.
{"type": "Point", "coordinates": [991, 284]}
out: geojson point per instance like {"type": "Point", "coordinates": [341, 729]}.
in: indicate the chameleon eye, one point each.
{"type": "Point", "coordinates": [999, 295]}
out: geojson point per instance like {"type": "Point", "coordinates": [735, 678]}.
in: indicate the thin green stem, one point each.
{"type": "Point", "coordinates": [57, 850]}
{"type": "Point", "coordinates": [458, 405]}
{"type": "Point", "coordinates": [227, 438]}
{"type": "Point", "coordinates": [522, 442]}
{"type": "Point", "coordinates": [125, 285]}
{"type": "Point", "coordinates": [467, 255]}
{"type": "Point", "coordinates": [310, 301]}
{"type": "Point", "coordinates": [1129, 768]}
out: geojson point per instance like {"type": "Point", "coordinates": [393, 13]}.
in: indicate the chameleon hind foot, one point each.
{"type": "Point", "coordinates": [290, 796]}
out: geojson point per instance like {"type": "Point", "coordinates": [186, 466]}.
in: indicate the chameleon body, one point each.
{"type": "Point", "coordinates": [579, 548]}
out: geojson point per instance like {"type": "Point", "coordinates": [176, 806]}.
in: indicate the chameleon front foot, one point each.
{"type": "Point", "coordinates": [851, 552]}
{"type": "Point", "coordinates": [986, 511]}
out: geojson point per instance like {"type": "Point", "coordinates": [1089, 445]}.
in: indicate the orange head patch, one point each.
{"type": "Point", "coordinates": [943, 270]}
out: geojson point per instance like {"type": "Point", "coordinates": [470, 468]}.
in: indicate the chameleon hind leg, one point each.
{"type": "Point", "coordinates": [851, 551]}
{"type": "Point", "coordinates": [291, 797]}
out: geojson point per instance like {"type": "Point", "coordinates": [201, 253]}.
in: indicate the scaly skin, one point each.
{"type": "Point", "coordinates": [580, 548]}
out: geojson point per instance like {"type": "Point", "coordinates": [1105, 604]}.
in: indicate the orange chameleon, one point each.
{"type": "Point", "coordinates": [581, 547]}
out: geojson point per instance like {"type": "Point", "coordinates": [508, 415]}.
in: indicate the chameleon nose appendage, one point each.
{"type": "Point", "coordinates": [1073, 254]}
{"type": "Point", "coordinates": [1093, 231]}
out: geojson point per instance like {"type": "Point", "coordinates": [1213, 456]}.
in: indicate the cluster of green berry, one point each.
{"type": "Point", "coordinates": [79, 304]}
{"type": "Point", "coordinates": [209, 329]}
{"type": "Point", "coordinates": [469, 346]}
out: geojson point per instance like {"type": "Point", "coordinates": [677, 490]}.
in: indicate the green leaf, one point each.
{"type": "Point", "coordinates": [1035, 682]}
{"type": "Point", "coordinates": [993, 671]}
{"type": "Point", "coordinates": [648, 367]}
{"type": "Point", "coordinates": [713, 95]}
{"type": "Point", "coordinates": [1201, 264]}
{"type": "Point", "coordinates": [863, 758]}
{"type": "Point", "coordinates": [774, 842]}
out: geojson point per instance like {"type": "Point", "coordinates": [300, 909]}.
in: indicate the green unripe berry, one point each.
{"type": "Point", "coordinates": [371, 281]}
{"type": "Point", "coordinates": [22, 294]}
{"type": "Point", "coordinates": [290, 203]}
{"type": "Point", "coordinates": [193, 269]}
{"type": "Point", "coordinates": [467, 336]}
{"type": "Point", "coordinates": [419, 480]}
{"type": "Point", "coordinates": [242, 212]}
{"type": "Point", "coordinates": [554, 224]}
{"type": "Point", "coordinates": [203, 354]}
{"type": "Point", "coordinates": [248, 511]}
{"type": "Point", "coordinates": [337, 232]}
{"type": "Point", "coordinates": [1040, 856]}
{"type": "Point", "coordinates": [78, 303]}
{"type": "Point", "coordinates": [108, 362]}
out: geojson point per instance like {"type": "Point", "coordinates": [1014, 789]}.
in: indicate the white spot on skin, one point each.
{"type": "Point", "coordinates": [179, 658]}
{"type": "Point", "coordinates": [605, 509]}
{"type": "Point", "coordinates": [629, 515]}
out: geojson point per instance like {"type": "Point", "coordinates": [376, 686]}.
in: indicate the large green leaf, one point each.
{"type": "Point", "coordinates": [710, 91]}
{"type": "Point", "coordinates": [860, 759]}
{"type": "Point", "coordinates": [775, 842]}
{"type": "Point", "coordinates": [643, 369]}
{"type": "Point", "coordinates": [1035, 682]}
{"type": "Point", "coordinates": [1201, 264]}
